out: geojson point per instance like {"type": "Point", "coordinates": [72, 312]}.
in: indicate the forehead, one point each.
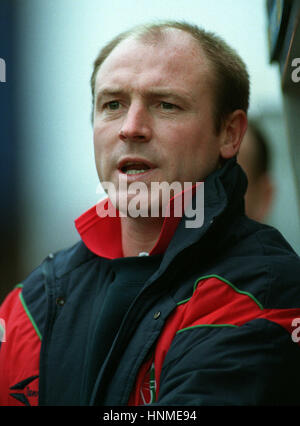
{"type": "Point", "coordinates": [173, 58]}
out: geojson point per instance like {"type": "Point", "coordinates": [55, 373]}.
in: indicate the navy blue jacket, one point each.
{"type": "Point", "coordinates": [212, 316]}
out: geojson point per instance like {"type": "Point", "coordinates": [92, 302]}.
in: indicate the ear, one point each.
{"type": "Point", "coordinates": [233, 133]}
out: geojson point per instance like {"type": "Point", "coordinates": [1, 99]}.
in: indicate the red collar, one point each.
{"type": "Point", "coordinates": [102, 235]}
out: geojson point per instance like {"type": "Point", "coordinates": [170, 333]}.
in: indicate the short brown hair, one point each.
{"type": "Point", "coordinates": [231, 82]}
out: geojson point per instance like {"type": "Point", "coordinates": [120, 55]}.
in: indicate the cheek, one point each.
{"type": "Point", "coordinates": [97, 150]}
{"type": "Point", "coordinates": [178, 141]}
{"type": "Point", "coordinates": [187, 145]}
{"type": "Point", "coordinates": [100, 154]}
{"type": "Point", "coordinates": [101, 144]}
{"type": "Point", "coordinates": [198, 156]}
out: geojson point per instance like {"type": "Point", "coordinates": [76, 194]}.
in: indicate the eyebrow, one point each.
{"type": "Point", "coordinates": [180, 96]}
{"type": "Point", "coordinates": [108, 92]}
{"type": "Point", "coordinates": [150, 93]}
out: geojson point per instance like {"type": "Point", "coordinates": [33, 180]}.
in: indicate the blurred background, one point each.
{"type": "Point", "coordinates": [48, 176]}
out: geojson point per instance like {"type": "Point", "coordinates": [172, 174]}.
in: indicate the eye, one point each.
{"type": "Point", "coordinates": [112, 105]}
{"type": "Point", "coordinates": [167, 105]}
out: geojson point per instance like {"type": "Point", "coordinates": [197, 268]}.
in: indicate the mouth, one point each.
{"type": "Point", "coordinates": [135, 166]}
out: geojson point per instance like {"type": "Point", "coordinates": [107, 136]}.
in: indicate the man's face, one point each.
{"type": "Point", "coordinates": [153, 117]}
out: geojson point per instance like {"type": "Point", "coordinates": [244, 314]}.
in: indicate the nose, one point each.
{"type": "Point", "coordinates": [136, 125]}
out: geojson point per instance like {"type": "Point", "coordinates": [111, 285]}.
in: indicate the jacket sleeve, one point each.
{"type": "Point", "coordinates": [253, 364]}
{"type": "Point", "coordinates": [19, 353]}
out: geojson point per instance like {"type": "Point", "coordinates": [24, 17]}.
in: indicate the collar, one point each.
{"type": "Point", "coordinates": [224, 189]}
{"type": "Point", "coordinates": [102, 234]}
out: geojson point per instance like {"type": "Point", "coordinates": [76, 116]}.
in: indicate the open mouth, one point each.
{"type": "Point", "coordinates": [134, 167]}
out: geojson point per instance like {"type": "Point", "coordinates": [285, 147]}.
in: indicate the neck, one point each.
{"type": "Point", "coordinates": [139, 234]}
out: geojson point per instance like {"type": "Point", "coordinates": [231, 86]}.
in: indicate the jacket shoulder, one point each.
{"type": "Point", "coordinates": [258, 259]}
{"type": "Point", "coordinates": [63, 261]}
{"type": "Point", "coordinates": [281, 264]}
{"type": "Point", "coordinates": [33, 290]}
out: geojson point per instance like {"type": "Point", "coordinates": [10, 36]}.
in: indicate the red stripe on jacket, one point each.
{"type": "Point", "coordinates": [214, 302]}
{"type": "Point", "coordinates": [19, 354]}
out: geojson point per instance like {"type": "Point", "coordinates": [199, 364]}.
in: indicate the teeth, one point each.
{"type": "Point", "coordinates": [130, 164]}
{"type": "Point", "coordinates": [135, 172]}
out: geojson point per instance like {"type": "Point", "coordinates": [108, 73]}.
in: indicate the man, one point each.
{"type": "Point", "coordinates": [145, 309]}
{"type": "Point", "coordinates": [254, 158]}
